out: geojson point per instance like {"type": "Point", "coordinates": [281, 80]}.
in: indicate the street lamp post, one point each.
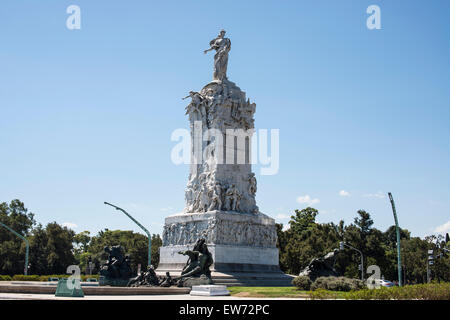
{"type": "Point", "coordinates": [341, 247]}
{"type": "Point", "coordinates": [141, 226]}
{"type": "Point", "coordinates": [430, 262]}
{"type": "Point", "coordinates": [27, 249]}
{"type": "Point", "coordinates": [397, 228]}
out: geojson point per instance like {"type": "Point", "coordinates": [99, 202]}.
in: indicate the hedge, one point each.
{"type": "Point", "coordinates": [432, 291]}
{"type": "Point", "coordinates": [337, 284]}
{"type": "Point", "coordinates": [21, 277]}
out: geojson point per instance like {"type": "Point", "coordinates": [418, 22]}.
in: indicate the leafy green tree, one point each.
{"type": "Point", "coordinates": [303, 219]}
{"type": "Point", "coordinates": [156, 244]}
{"type": "Point", "coordinates": [364, 222]}
{"type": "Point", "coordinates": [51, 249]}
{"type": "Point", "coordinates": [12, 248]}
{"type": "Point", "coordinates": [414, 258]}
{"type": "Point", "coordinates": [82, 241]}
{"type": "Point", "coordinates": [304, 240]}
{"type": "Point", "coordinates": [391, 236]}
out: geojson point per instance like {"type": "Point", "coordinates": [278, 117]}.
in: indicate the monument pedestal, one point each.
{"type": "Point", "coordinates": [243, 246]}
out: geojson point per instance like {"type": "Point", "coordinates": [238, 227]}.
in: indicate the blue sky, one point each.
{"type": "Point", "coordinates": [86, 115]}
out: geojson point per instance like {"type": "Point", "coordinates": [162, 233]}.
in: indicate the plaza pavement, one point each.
{"type": "Point", "coordinates": [26, 296]}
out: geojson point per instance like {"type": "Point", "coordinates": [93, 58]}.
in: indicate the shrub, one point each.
{"type": "Point", "coordinates": [5, 278]}
{"type": "Point", "coordinates": [21, 277]}
{"type": "Point", "coordinates": [337, 284]}
{"type": "Point", "coordinates": [302, 282]}
{"type": "Point", "coordinates": [85, 277]}
{"type": "Point", "coordinates": [432, 291]}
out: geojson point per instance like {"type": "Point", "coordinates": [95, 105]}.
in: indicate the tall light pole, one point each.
{"type": "Point", "coordinates": [397, 228]}
{"type": "Point", "coordinates": [341, 247]}
{"type": "Point", "coordinates": [27, 249]}
{"type": "Point", "coordinates": [141, 226]}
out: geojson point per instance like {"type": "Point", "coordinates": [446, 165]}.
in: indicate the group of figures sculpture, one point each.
{"type": "Point", "coordinates": [203, 195]}
{"type": "Point", "coordinates": [321, 267]}
{"type": "Point", "coordinates": [117, 271]}
{"type": "Point", "coordinates": [214, 184]}
{"type": "Point", "coordinates": [117, 268]}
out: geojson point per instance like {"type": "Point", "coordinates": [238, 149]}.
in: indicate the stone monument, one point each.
{"type": "Point", "coordinates": [220, 193]}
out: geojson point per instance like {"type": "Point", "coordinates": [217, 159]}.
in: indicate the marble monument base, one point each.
{"type": "Point", "coordinates": [243, 247]}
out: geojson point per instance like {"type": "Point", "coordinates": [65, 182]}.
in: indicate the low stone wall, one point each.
{"type": "Point", "coordinates": [11, 287]}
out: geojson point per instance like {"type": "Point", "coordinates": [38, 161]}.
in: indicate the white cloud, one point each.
{"type": "Point", "coordinates": [285, 227]}
{"type": "Point", "coordinates": [443, 228]}
{"type": "Point", "coordinates": [70, 225]}
{"type": "Point", "coordinates": [306, 199]}
{"type": "Point", "coordinates": [282, 216]}
{"type": "Point", "coordinates": [379, 195]}
{"type": "Point", "coordinates": [344, 193]}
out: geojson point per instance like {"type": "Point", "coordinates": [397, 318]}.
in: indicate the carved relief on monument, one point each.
{"type": "Point", "coordinates": [225, 232]}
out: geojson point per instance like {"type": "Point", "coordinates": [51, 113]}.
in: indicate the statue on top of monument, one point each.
{"type": "Point", "coordinates": [222, 46]}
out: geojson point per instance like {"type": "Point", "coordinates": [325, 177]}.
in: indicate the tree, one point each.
{"type": "Point", "coordinates": [304, 240]}
{"type": "Point", "coordinates": [391, 236]}
{"type": "Point", "coordinates": [364, 222]}
{"type": "Point", "coordinates": [12, 248]}
{"type": "Point", "coordinates": [82, 241]}
{"type": "Point", "coordinates": [414, 256]}
{"type": "Point", "coordinates": [156, 244]}
{"type": "Point", "coordinates": [51, 249]}
{"type": "Point", "coordinates": [303, 219]}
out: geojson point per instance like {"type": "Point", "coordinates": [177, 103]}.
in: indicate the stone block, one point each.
{"type": "Point", "coordinates": [210, 290]}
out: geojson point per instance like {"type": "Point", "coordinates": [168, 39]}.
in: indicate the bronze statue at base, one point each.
{"type": "Point", "coordinates": [321, 267]}
{"type": "Point", "coordinates": [195, 272]}
{"type": "Point", "coordinates": [117, 270]}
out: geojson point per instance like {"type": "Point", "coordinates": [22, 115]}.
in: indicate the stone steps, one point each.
{"type": "Point", "coordinates": [253, 280]}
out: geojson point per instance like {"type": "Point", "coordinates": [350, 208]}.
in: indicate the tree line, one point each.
{"type": "Point", "coordinates": [306, 239]}
{"type": "Point", "coordinates": [54, 247]}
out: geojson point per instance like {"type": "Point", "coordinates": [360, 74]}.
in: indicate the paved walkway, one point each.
{"type": "Point", "coordinates": [25, 296]}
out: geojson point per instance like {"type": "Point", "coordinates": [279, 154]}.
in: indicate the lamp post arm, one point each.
{"type": "Point", "coordinates": [129, 216]}
{"type": "Point", "coordinates": [352, 248]}
{"type": "Point", "coordinates": [362, 259]}
{"type": "Point", "coordinates": [140, 225]}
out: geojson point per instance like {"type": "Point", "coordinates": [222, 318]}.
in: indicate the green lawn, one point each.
{"type": "Point", "coordinates": [431, 291]}
{"type": "Point", "coordinates": [268, 292]}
